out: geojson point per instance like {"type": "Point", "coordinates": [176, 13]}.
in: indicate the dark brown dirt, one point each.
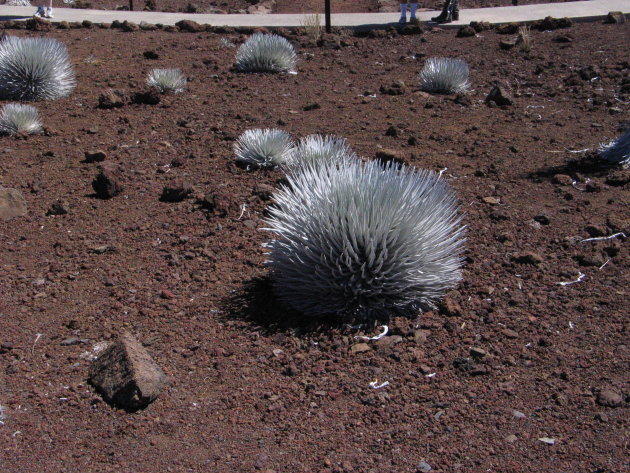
{"type": "Point", "coordinates": [512, 357]}
{"type": "Point", "coordinates": [281, 6]}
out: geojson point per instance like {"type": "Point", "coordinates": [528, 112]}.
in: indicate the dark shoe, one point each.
{"type": "Point", "coordinates": [440, 18]}
{"type": "Point", "coordinates": [455, 15]}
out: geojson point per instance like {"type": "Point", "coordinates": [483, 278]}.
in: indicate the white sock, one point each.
{"type": "Point", "coordinates": [403, 10]}
{"type": "Point", "coordinates": [414, 6]}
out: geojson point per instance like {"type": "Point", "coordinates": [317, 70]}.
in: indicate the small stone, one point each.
{"type": "Point", "coordinates": [528, 257]}
{"type": "Point", "coordinates": [395, 88]}
{"type": "Point", "coordinates": [511, 438]}
{"type": "Point", "coordinates": [112, 98]}
{"type": "Point", "coordinates": [491, 200]}
{"type": "Point", "coordinates": [466, 31]}
{"type": "Point", "coordinates": [562, 179]}
{"type": "Point", "coordinates": [101, 249]}
{"type": "Point", "coordinates": [126, 375]}
{"type": "Point", "coordinates": [74, 341]}
{"type": "Point", "coordinates": [478, 352]}
{"type": "Point", "coordinates": [59, 207]}
{"type": "Point", "coordinates": [423, 467]}
{"type": "Point", "coordinates": [542, 219]}
{"type": "Point", "coordinates": [421, 336]}
{"type": "Point", "coordinates": [618, 178]}
{"type": "Point", "coordinates": [95, 156]}
{"type": "Point", "coordinates": [12, 203]}
{"type": "Point", "coordinates": [390, 341]}
{"type": "Point", "coordinates": [150, 54]}
{"type": "Point", "coordinates": [359, 348]}
{"type": "Point", "coordinates": [547, 440]}
{"type": "Point", "coordinates": [391, 131]}
{"type": "Point", "coordinates": [518, 414]}
{"type": "Point", "coordinates": [615, 18]}
{"type": "Point", "coordinates": [107, 183]}
{"type": "Point", "coordinates": [264, 191]}
{"type": "Point", "coordinates": [166, 294]}
{"type": "Point", "coordinates": [148, 97]}
{"type": "Point", "coordinates": [507, 44]}
{"type": "Point", "coordinates": [451, 307]}
{"type": "Point", "coordinates": [425, 369]}
{"type": "Point", "coordinates": [609, 398]}
{"type": "Point", "coordinates": [500, 96]}
{"type": "Point", "coordinates": [596, 230]}
{"type": "Point", "coordinates": [176, 191]}
{"type": "Point", "coordinates": [311, 106]}
{"type": "Point", "coordinates": [509, 333]}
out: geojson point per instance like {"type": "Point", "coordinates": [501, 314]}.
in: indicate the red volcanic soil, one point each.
{"type": "Point", "coordinates": [516, 372]}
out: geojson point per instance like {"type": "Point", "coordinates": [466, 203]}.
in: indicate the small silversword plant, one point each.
{"type": "Point", "coordinates": [167, 80]}
{"type": "Point", "coordinates": [266, 53]}
{"type": "Point", "coordinates": [35, 69]}
{"type": "Point", "coordinates": [263, 148]}
{"type": "Point", "coordinates": [363, 240]}
{"type": "Point", "coordinates": [444, 76]}
{"type": "Point", "coordinates": [316, 149]}
{"type": "Point", "coordinates": [617, 151]}
{"type": "Point", "coordinates": [16, 118]}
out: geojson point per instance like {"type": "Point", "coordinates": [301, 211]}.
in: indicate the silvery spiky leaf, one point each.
{"type": "Point", "coordinates": [266, 53]}
{"type": "Point", "coordinates": [35, 69]}
{"type": "Point", "coordinates": [167, 80]}
{"type": "Point", "coordinates": [263, 148]}
{"type": "Point", "coordinates": [442, 75]}
{"type": "Point", "coordinates": [315, 149]}
{"type": "Point", "coordinates": [617, 151]}
{"type": "Point", "coordinates": [16, 118]}
{"type": "Point", "coordinates": [364, 240]}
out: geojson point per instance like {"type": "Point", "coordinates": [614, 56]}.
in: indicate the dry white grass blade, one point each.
{"type": "Point", "coordinates": [364, 240]}
{"type": "Point", "coordinates": [266, 53]}
{"type": "Point", "coordinates": [617, 151]}
{"type": "Point", "coordinates": [263, 148]}
{"type": "Point", "coordinates": [444, 76]}
{"type": "Point", "coordinates": [314, 149]}
{"type": "Point", "coordinates": [16, 118]}
{"type": "Point", "coordinates": [35, 69]}
{"type": "Point", "coordinates": [167, 80]}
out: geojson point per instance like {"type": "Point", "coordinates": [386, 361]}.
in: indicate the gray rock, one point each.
{"type": "Point", "coordinates": [126, 375]}
{"type": "Point", "coordinates": [424, 467]}
{"type": "Point", "coordinates": [609, 398]}
{"type": "Point", "coordinates": [500, 96]}
{"type": "Point", "coordinates": [12, 203]}
{"type": "Point", "coordinates": [107, 183]}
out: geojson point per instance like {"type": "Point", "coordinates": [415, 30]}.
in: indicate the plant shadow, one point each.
{"type": "Point", "coordinates": [590, 165]}
{"type": "Point", "coordinates": [256, 304]}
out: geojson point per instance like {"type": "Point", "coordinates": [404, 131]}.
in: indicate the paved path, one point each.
{"type": "Point", "coordinates": [583, 10]}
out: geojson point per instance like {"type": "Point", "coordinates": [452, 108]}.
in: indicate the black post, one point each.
{"type": "Point", "coordinates": [327, 15]}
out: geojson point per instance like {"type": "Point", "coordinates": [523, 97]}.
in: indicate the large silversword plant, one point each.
{"type": "Point", "coordinates": [266, 53]}
{"type": "Point", "coordinates": [442, 75]}
{"type": "Point", "coordinates": [363, 240]}
{"type": "Point", "coordinates": [35, 69]}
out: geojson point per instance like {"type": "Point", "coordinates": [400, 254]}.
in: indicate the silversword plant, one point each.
{"type": "Point", "coordinates": [263, 148]}
{"type": "Point", "coordinates": [35, 69]}
{"type": "Point", "coordinates": [363, 240]}
{"type": "Point", "coordinates": [266, 53]}
{"type": "Point", "coordinates": [617, 151]}
{"type": "Point", "coordinates": [315, 149]}
{"type": "Point", "coordinates": [17, 118]}
{"type": "Point", "coordinates": [442, 75]}
{"type": "Point", "coordinates": [167, 80]}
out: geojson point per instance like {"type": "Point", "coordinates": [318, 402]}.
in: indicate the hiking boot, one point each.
{"type": "Point", "coordinates": [49, 13]}
{"type": "Point", "coordinates": [40, 13]}
{"type": "Point", "coordinates": [402, 20]}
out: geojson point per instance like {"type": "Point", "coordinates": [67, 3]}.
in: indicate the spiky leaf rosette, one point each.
{"type": "Point", "coordinates": [617, 151]}
{"type": "Point", "coordinates": [16, 118]}
{"type": "Point", "coordinates": [443, 75]}
{"type": "Point", "coordinates": [266, 53]}
{"type": "Point", "coordinates": [263, 148]}
{"type": "Point", "coordinates": [364, 240]}
{"type": "Point", "coordinates": [35, 69]}
{"type": "Point", "coordinates": [317, 149]}
{"type": "Point", "coordinates": [167, 80]}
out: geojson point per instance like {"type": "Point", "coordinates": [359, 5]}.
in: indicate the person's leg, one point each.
{"type": "Point", "coordinates": [412, 14]}
{"type": "Point", "coordinates": [447, 13]}
{"type": "Point", "coordinates": [49, 10]}
{"type": "Point", "coordinates": [403, 13]}
{"type": "Point", "coordinates": [455, 10]}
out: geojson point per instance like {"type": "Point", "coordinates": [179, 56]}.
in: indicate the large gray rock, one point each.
{"type": "Point", "coordinates": [12, 203]}
{"type": "Point", "coordinates": [126, 375]}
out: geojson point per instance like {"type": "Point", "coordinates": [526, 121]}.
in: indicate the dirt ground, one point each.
{"type": "Point", "coordinates": [282, 6]}
{"type": "Point", "coordinates": [515, 373]}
